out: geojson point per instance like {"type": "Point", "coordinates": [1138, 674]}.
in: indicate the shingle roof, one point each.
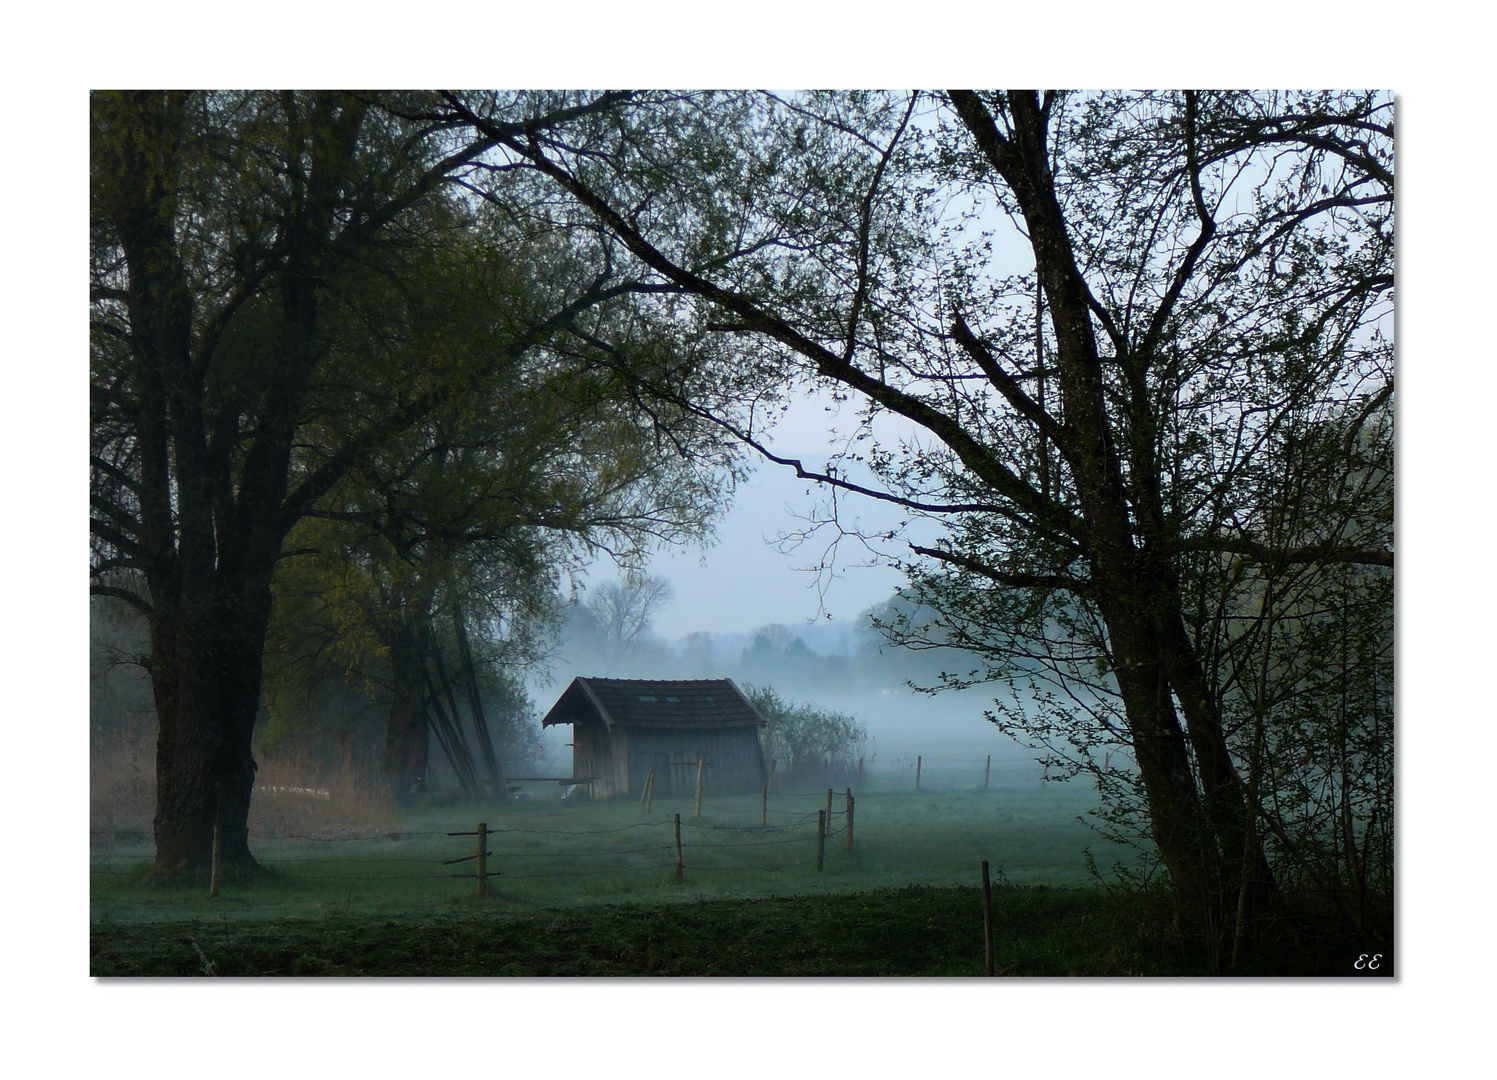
{"type": "Point", "coordinates": [699, 703]}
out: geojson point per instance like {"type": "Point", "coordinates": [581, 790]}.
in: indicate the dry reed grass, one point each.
{"type": "Point", "coordinates": [122, 787]}
{"type": "Point", "coordinates": [294, 795]}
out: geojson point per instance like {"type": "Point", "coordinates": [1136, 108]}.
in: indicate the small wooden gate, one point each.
{"type": "Point", "coordinates": [683, 774]}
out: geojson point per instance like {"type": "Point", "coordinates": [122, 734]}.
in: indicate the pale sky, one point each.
{"type": "Point", "coordinates": [745, 580]}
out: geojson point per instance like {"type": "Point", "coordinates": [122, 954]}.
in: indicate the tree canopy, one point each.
{"type": "Point", "coordinates": [1147, 340]}
{"type": "Point", "coordinates": [298, 309]}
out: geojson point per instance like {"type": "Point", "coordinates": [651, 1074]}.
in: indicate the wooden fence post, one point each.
{"type": "Point", "coordinates": [218, 846]}
{"type": "Point", "coordinates": [820, 839]}
{"type": "Point", "coordinates": [483, 864]}
{"type": "Point", "coordinates": [987, 918]}
{"type": "Point", "coordinates": [680, 867]}
{"type": "Point", "coordinates": [764, 807]}
{"type": "Point", "coordinates": [828, 808]}
{"type": "Point", "coordinates": [849, 819]}
{"type": "Point", "coordinates": [987, 772]}
{"type": "Point", "coordinates": [701, 764]}
{"type": "Point", "coordinates": [650, 792]}
{"type": "Point", "coordinates": [917, 772]}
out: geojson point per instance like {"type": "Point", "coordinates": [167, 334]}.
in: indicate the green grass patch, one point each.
{"type": "Point", "coordinates": [552, 855]}
{"type": "Point", "coordinates": [915, 931]}
{"type": "Point", "coordinates": [590, 890]}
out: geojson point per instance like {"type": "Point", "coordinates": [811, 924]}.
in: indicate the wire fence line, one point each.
{"type": "Point", "coordinates": [580, 854]}
{"type": "Point", "coordinates": [340, 839]}
{"type": "Point", "coordinates": [590, 873]}
{"type": "Point", "coordinates": [823, 827]}
{"type": "Point", "coordinates": [818, 793]}
{"type": "Point", "coordinates": [582, 832]}
{"type": "Point", "coordinates": [758, 843]}
{"type": "Point", "coordinates": [283, 836]}
{"type": "Point", "coordinates": [800, 819]}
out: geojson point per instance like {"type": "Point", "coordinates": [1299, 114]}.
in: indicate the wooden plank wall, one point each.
{"type": "Point", "coordinates": [735, 763]}
{"type": "Point", "coordinates": [604, 753]}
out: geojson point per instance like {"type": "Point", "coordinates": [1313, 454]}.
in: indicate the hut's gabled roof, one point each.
{"type": "Point", "coordinates": [673, 703]}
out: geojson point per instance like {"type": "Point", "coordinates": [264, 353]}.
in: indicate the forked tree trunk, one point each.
{"type": "Point", "coordinates": [1160, 746]}
{"type": "Point", "coordinates": [1199, 814]}
{"type": "Point", "coordinates": [212, 444]}
{"type": "Point", "coordinates": [1200, 826]}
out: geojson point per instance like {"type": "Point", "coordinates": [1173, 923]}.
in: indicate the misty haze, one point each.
{"type": "Point", "coordinates": [742, 533]}
{"type": "Point", "coordinates": [845, 666]}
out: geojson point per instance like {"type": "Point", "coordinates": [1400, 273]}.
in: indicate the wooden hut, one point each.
{"type": "Point", "coordinates": [624, 729]}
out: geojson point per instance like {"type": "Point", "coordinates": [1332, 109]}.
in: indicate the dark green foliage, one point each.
{"type": "Point", "coordinates": [312, 340]}
{"type": "Point", "coordinates": [806, 738]}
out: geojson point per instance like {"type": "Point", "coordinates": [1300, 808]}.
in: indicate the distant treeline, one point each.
{"type": "Point", "coordinates": [796, 659]}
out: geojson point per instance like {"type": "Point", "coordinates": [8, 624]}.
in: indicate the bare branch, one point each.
{"type": "Point", "coordinates": [122, 594]}
{"type": "Point", "coordinates": [1078, 586]}
{"type": "Point", "coordinates": [1326, 553]}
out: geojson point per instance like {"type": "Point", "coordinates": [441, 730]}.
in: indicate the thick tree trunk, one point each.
{"type": "Point", "coordinates": [206, 664]}
{"type": "Point", "coordinates": [213, 442]}
{"type": "Point", "coordinates": [1160, 746]}
{"type": "Point", "coordinates": [1199, 813]}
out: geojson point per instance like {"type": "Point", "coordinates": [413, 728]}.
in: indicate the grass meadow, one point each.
{"type": "Point", "coordinates": [550, 853]}
{"type": "Point", "coordinates": [352, 887]}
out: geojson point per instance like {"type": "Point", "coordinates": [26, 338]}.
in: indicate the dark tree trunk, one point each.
{"type": "Point", "coordinates": [1163, 760]}
{"type": "Point", "coordinates": [207, 433]}
{"type": "Point", "coordinates": [206, 666]}
{"type": "Point", "coordinates": [408, 736]}
{"type": "Point", "coordinates": [1201, 826]}
{"type": "Point", "coordinates": [207, 536]}
{"type": "Point", "coordinates": [1250, 886]}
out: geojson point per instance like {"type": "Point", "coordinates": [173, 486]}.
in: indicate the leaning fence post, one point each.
{"type": "Point", "coordinates": [820, 839]}
{"type": "Point", "coordinates": [680, 867]}
{"type": "Point", "coordinates": [701, 765]}
{"type": "Point", "coordinates": [917, 772]}
{"type": "Point", "coordinates": [483, 865]}
{"type": "Point", "coordinates": [987, 918]}
{"type": "Point", "coordinates": [849, 819]}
